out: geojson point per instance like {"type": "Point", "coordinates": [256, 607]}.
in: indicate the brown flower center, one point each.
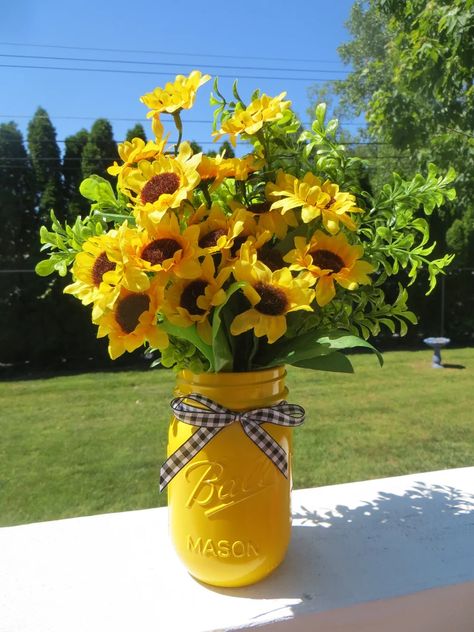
{"type": "Point", "coordinates": [237, 245]}
{"type": "Point", "coordinates": [159, 185]}
{"type": "Point", "coordinates": [159, 250]}
{"type": "Point", "coordinates": [130, 309]}
{"type": "Point", "coordinates": [272, 258]}
{"type": "Point", "coordinates": [260, 207]}
{"type": "Point", "coordinates": [190, 295]}
{"type": "Point", "coordinates": [273, 300]}
{"type": "Point", "coordinates": [210, 240]}
{"type": "Point", "coordinates": [101, 265]}
{"type": "Point", "coordinates": [327, 260]}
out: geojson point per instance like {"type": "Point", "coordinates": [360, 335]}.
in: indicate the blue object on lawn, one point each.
{"type": "Point", "coordinates": [437, 344]}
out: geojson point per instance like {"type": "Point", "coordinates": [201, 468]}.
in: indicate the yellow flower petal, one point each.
{"type": "Point", "coordinates": [325, 291]}
{"type": "Point", "coordinates": [243, 322]}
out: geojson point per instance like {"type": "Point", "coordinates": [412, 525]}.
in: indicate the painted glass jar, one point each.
{"type": "Point", "coordinates": [229, 506]}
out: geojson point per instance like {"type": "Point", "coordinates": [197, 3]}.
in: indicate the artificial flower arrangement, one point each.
{"type": "Point", "coordinates": [242, 263]}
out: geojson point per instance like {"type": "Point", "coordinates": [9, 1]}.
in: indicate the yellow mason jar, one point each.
{"type": "Point", "coordinates": [229, 507]}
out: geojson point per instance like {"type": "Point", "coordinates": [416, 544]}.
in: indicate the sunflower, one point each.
{"type": "Point", "coordinates": [250, 120]}
{"type": "Point", "coordinates": [132, 321]}
{"type": "Point", "coordinates": [272, 296]}
{"type": "Point", "coordinates": [160, 249]}
{"type": "Point", "coordinates": [131, 152]}
{"type": "Point", "coordinates": [241, 168]}
{"type": "Point", "coordinates": [158, 185]}
{"type": "Point", "coordinates": [97, 272]}
{"type": "Point", "coordinates": [175, 96]}
{"type": "Point", "coordinates": [190, 302]}
{"type": "Point", "coordinates": [214, 169]}
{"type": "Point", "coordinates": [328, 259]}
{"type": "Point", "coordinates": [315, 198]}
{"type": "Point", "coordinates": [260, 249]}
{"type": "Point", "coordinates": [251, 237]}
{"type": "Point", "coordinates": [269, 219]}
{"type": "Point", "coordinates": [339, 204]}
{"type": "Point", "coordinates": [218, 231]}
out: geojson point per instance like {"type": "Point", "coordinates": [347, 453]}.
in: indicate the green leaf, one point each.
{"type": "Point", "coordinates": [320, 113]}
{"type": "Point", "coordinates": [190, 334]}
{"type": "Point", "coordinates": [332, 126]}
{"type": "Point", "coordinates": [350, 342]}
{"type": "Point", "coordinates": [222, 350]}
{"type": "Point", "coordinates": [98, 190]}
{"type": "Point", "coordinates": [115, 217]}
{"type": "Point", "coordinates": [45, 267]}
{"type": "Point", "coordinates": [255, 94]}
{"type": "Point", "coordinates": [289, 351]}
{"type": "Point", "coordinates": [215, 87]}
{"type": "Point", "coordinates": [336, 362]}
{"type": "Point", "coordinates": [235, 92]}
{"type": "Point", "coordinates": [384, 232]}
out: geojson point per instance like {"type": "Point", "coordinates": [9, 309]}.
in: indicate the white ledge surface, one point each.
{"type": "Point", "coordinates": [375, 556]}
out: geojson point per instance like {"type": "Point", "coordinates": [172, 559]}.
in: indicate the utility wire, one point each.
{"type": "Point", "coordinates": [163, 63]}
{"type": "Point", "coordinates": [134, 120]}
{"type": "Point", "coordinates": [217, 144]}
{"type": "Point", "coordinates": [151, 72]}
{"type": "Point", "coordinates": [63, 160]}
{"type": "Point", "coordinates": [174, 53]}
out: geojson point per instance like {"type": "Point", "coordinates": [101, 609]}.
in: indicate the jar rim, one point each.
{"type": "Point", "coordinates": [258, 376]}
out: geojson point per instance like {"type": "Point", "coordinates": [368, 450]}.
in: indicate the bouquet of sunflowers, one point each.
{"type": "Point", "coordinates": [240, 263]}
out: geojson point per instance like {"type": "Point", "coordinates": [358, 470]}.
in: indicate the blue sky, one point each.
{"type": "Point", "coordinates": [282, 45]}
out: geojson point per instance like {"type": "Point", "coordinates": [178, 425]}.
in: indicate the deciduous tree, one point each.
{"type": "Point", "coordinates": [413, 78]}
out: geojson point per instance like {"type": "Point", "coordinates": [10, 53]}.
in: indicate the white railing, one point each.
{"type": "Point", "coordinates": [386, 555]}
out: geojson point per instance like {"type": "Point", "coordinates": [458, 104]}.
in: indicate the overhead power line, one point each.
{"type": "Point", "coordinates": [4, 161]}
{"type": "Point", "coordinates": [220, 141]}
{"type": "Point", "coordinates": [134, 120]}
{"type": "Point", "coordinates": [153, 72]}
{"type": "Point", "coordinates": [367, 158]}
{"type": "Point", "coordinates": [193, 55]}
{"type": "Point", "coordinates": [164, 63]}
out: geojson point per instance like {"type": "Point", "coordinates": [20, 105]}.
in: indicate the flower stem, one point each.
{"type": "Point", "coordinates": [179, 126]}
{"type": "Point", "coordinates": [205, 191]}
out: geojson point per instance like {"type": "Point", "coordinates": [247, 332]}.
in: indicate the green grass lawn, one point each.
{"type": "Point", "coordinates": [93, 443]}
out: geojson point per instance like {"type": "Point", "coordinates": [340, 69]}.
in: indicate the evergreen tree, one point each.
{"type": "Point", "coordinates": [46, 161]}
{"type": "Point", "coordinates": [137, 131]}
{"type": "Point", "coordinates": [227, 149]}
{"type": "Point", "coordinates": [19, 243]}
{"type": "Point", "coordinates": [196, 147]}
{"type": "Point", "coordinates": [100, 150]}
{"type": "Point", "coordinates": [17, 199]}
{"type": "Point", "coordinates": [72, 173]}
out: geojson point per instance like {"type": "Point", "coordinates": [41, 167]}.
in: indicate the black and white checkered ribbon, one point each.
{"type": "Point", "coordinates": [211, 417]}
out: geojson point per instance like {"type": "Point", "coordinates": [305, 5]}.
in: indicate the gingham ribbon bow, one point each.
{"type": "Point", "coordinates": [211, 417]}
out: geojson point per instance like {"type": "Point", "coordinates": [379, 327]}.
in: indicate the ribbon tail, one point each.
{"type": "Point", "coordinates": [184, 454]}
{"type": "Point", "coordinates": [267, 444]}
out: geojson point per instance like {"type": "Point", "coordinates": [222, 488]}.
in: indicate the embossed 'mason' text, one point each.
{"type": "Point", "coordinates": [213, 491]}
{"type": "Point", "coordinates": [221, 548]}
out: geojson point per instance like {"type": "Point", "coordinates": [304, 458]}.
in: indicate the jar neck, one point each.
{"type": "Point", "coordinates": [236, 391]}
